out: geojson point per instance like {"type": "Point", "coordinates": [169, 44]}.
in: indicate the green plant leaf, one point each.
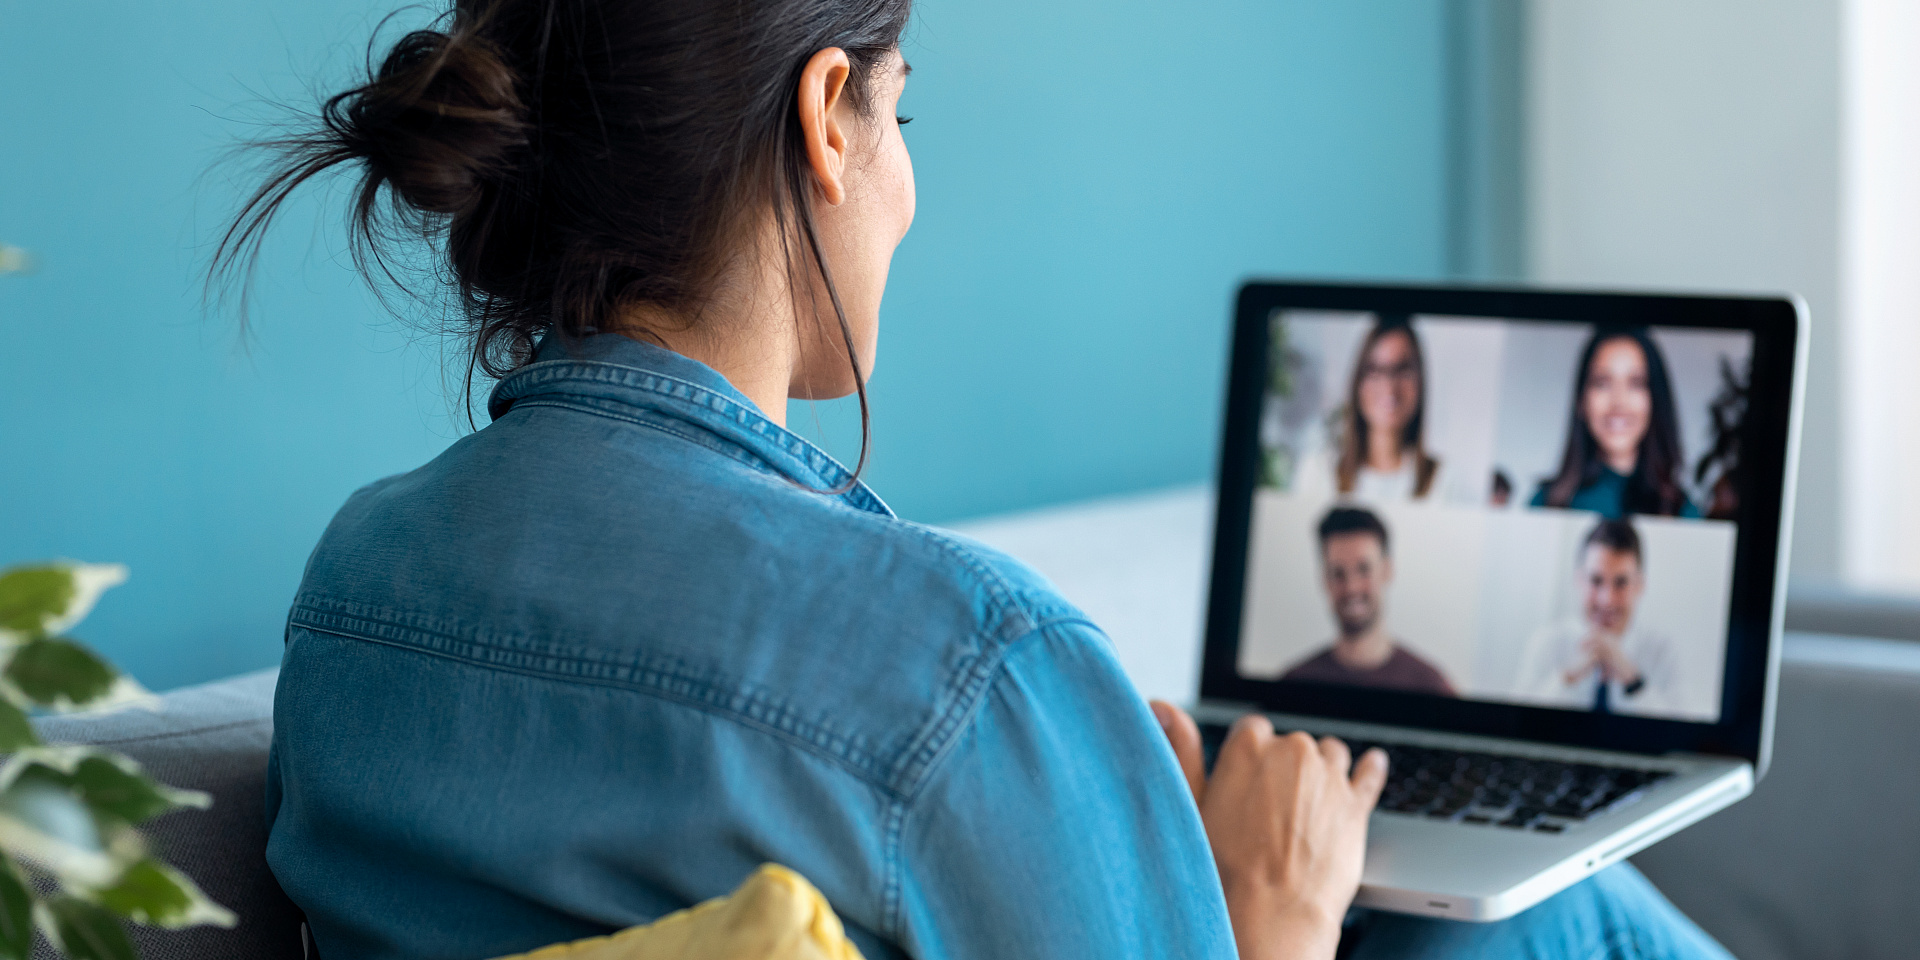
{"type": "Point", "coordinates": [60, 673]}
{"type": "Point", "coordinates": [39, 798]}
{"type": "Point", "coordinates": [46, 818]}
{"type": "Point", "coordinates": [48, 599]}
{"type": "Point", "coordinates": [112, 788]}
{"type": "Point", "coordinates": [146, 894]}
{"type": "Point", "coordinates": [32, 597]}
{"type": "Point", "coordinates": [157, 895]}
{"type": "Point", "coordinates": [65, 761]}
{"type": "Point", "coordinates": [15, 730]}
{"type": "Point", "coordinates": [115, 791]}
{"type": "Point", "coordinates": [83, 931]}
{"type": "Point", "coordinates": [44, 824]}
{"type": "Point", "coordinates": [16, 914]}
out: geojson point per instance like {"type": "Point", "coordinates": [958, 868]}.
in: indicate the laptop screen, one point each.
{"type": "Point", "coordinates": [1533, 512]}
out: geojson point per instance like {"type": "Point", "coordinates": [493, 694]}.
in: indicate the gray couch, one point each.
{"type": "Point", "coordinates": [212, 737]}
{"type": "Point", "coordinates": [1822, 862]}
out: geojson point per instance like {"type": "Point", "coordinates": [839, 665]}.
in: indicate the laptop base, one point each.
{"type": "Point", "coordinates": [1484, 871]}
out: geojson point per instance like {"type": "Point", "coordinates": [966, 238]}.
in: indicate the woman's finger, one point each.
{"type": "Point", "coordinates": [1337, 754]}
{"type": "Point", "coordinates": [1252, 729]}
{"type": "Point", "coordinates": [1370, 776]}
{"type": "Point", "coordinates": [1184, 735]}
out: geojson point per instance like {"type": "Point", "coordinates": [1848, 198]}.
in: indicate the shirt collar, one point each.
{"type": "Point", "coordinates": [611, 367]}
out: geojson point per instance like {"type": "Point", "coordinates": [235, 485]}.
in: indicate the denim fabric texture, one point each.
{"type": "Point", "coordinates": [604, 657]}
{"type": "Point", "coordinates": [600, 660]}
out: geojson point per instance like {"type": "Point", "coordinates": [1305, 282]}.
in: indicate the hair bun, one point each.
{"type": "Point", "coordinates": [440, 121]}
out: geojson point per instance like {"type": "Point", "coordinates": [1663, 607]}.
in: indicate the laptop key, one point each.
{"type": "Point", "coordinates": [1484, 788]}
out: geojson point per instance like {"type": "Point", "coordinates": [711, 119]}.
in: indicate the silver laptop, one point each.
{"type": "Point", "coordinates": [1531, 543]}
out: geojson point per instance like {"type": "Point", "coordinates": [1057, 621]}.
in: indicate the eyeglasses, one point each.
{"type": "Point", "coordinates": [1406, 370]}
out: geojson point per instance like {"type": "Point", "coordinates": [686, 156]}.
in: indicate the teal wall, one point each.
{"type": "Point", "coordinates": [1094, 178]}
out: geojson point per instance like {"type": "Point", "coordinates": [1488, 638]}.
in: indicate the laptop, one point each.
{"type": "Point", "coordinates": [1532, 544]}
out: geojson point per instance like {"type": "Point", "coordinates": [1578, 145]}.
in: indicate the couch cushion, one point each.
{"type": "Point", "coordinates": [211, 737]}
{"type": "Point", "coordinates": [1821, 860]}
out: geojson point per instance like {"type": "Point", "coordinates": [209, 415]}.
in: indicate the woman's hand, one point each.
{"type": "Point", "coordinates": [1287, 819]}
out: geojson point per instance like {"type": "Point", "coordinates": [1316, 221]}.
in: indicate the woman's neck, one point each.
{"type": "Point", "coordinates": [1623, 466]}
{"type": "Point", "coordinates": [1383, 452]}
{"type": "Point", "coordinates": [763, 371]}
{"type": "Point", "coordinates": [746, 336]}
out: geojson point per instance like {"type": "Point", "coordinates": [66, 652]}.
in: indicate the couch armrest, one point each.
{"type": "Point", "coordinates": [211, 737]}
{"type": "Point", "coordinates": [1821, 860]}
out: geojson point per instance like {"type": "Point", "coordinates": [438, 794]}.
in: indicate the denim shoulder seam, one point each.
{"type": "Point", "coordinates": [904, 801]}
{"type": "Point", "coordinates": [665, 678]}
{"type": "Point", "coordinates": [923, 757]}
{"type": "Point", "coordinates": [1005, 598]}
{"type": "Point", "coordinates": [1010, 616]}
{"type": "Point", "coordinates": [893, 926]}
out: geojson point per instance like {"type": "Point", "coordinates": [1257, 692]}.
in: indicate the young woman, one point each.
{"type": "Point", "coordinates": [1623, 452]}
{"type": "Point", "coordinates": [603, 657]}
{"type": "Point", "coordinates": [1383, 453]}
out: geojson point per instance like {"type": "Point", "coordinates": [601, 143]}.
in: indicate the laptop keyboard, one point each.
{"type": "Point", "coordinates": [1521, 793]}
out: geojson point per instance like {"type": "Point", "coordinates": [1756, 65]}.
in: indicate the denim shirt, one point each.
{"type": "Point", "coordinates": [600, 659]}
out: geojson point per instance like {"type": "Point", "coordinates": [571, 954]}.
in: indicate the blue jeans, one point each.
{"type": "Point", "coordinates": [1615, 915]}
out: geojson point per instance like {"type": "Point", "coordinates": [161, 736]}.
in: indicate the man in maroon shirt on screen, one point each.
{"type": "Point", "coordinates": [1355, 568]}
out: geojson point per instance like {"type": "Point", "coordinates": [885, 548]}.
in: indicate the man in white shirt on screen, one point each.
{"type": "Point", "coordinates": [1603, 661]}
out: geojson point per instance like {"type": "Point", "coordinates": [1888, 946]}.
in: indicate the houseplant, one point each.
{"type": "Point", "coordinates": [73, 864]}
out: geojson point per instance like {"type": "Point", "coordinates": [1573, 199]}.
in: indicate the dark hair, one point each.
{"type": "Point", "coordinates": [1345, 520]}
{"type": "Point", "coordinates": [576, 158]}
{"type": "Point", "coordinates": [1616, 535]}
{"type": "Point", "coordinates": [1353, 446]}
{"type": "Point", "coordinates": [1654, 487]}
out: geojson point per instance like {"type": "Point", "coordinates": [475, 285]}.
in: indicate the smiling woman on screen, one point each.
{"type": "Point", "coordinates": [1383, 452]}
{"type": "Point", "coordinates": [604, 657]}
{"type": "Point", "coordinates": [1622, 453]}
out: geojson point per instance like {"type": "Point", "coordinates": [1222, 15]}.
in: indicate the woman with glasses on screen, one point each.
{"type": "Point", "coordinates": [1383, 453]}
{"type": "Point", "coordinates": [603, 657]}
{"type": "Point", "coordinates": [1380, 453]}
{"type": "Point", "coordinates": [1622, 453]}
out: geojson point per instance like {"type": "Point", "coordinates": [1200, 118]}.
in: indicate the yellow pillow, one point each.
{"type": "Point", "coordinates": [775, 915]}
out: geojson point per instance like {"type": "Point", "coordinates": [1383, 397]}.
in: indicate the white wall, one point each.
{"type": "Point", "coordinates": [1880, 291]}
{"type": "Point", "coordinates": [1693, 144]}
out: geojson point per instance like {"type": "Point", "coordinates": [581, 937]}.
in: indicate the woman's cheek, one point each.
{"type": "Point", "coordinates": [909, 194]}
{"type": "Point", "coordinates": [1375, 404]}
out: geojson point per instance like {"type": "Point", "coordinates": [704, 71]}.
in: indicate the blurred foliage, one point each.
{"type": "Point", "coordinates": [1277, 457]}
{"type": "Point", "coordinates": [70, 815]}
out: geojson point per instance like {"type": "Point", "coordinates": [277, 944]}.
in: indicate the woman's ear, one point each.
{"type": "Point", "coordinates": [823, 120]}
